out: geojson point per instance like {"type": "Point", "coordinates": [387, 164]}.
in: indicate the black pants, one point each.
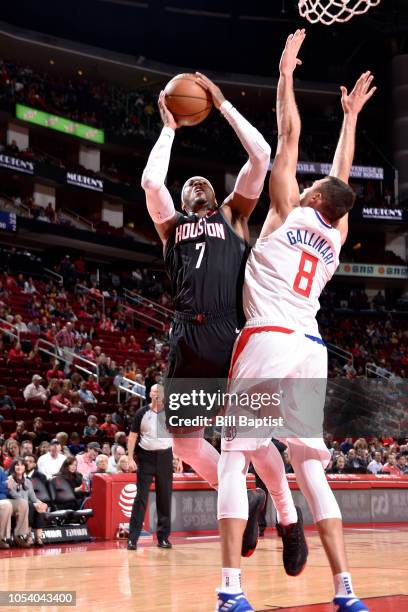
{"type": "Point", "coordinates": [199, 353]}
{"type": "Point", "coordinates": [157, 464]}
{"type": "Point", "coordinates": [36, 520]}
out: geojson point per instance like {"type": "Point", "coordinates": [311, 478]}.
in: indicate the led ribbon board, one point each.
{"type": "Point", "coordinates": [60, 124]}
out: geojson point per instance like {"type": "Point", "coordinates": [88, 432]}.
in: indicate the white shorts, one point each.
{"type": "Point", "coordinates": [290, 368]}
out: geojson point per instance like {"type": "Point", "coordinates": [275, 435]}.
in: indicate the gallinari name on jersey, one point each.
{"type": "Point", "coordinates": [316, 241]}
{"type": "Point", "coordinates": [187, 231]}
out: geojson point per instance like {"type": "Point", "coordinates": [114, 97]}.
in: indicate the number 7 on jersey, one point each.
{"type": "Point", "coordinates": [200, 245]}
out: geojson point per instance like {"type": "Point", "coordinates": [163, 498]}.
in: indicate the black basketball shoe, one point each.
{"type": "Point", "coordinates": [295, 549]}
{"type": "Point", "coordinates": [256, 500]}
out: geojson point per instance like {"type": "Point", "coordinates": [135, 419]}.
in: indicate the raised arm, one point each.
{"type": "Point", "coordinates": [158, 199]}
{"type": "Point", "coordinates": [250, 181]}
{"type": "Point", "coordinates": [283, 186]}
{"type": "Point", "coordinates": [343, 158]}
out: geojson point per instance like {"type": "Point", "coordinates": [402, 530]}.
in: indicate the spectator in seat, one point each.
{"type": "Point", "coordinates": [39, 435]}
{"type": "Point", "coordinates": [54, 387]}
{"type": "Point", "coordinates": [20, 487]}
{"type": "Point", "coordinates": [26, 448]}
{"type": "Point", "coordinates": [20, 433]}
{"type": "Point", "coordinates": [86, 396]}
{"type": "Point", "coordinates": [119, 417]}
{"type": "Point", "coordinates": [94, 386]}
{"type": "Point", "coordinates": [119, 377]}
{"type": "Point", "coordinates": [402, 464]}
{"type": "Point", "coordinates": [123, 345]}
{"type": "Point", "coordinates": [9, 508]}
{"type": "Point", "coordinates": [86, 461]}
{"type": "Point", "coordinates": [32, 470]}
{"type": "Point", "coordinates": [346, 445]}
{"type": "Point", "coordinates": [106, 449]}
{"type": "Point", "coordinates": [43, 448]}
{"type": "Point", "coordinates": [16, 354]}
{"type": "Point", "coordinates": [76, 380]}
{"type": "Point", "coordinates": [108, 428]}
{"type": "Point", "coordinates": [6, 401]}
{"type": "Point", "coordinates": [11, 450]}
{"type": "Point", "coordinates": [339, 466]}
{"type": "Point", "coordinates": [123, 465]}
{"type": "Point", "coordinates": [76, 404]}
{"type": "Point", "coordinates": [114, 459]}
{"type": "Point", "coordinates": [391, 466]}
{"type": "Point", "coordinates": [20, 325]}
{"type": "Point", "coordinates": [91, 429]}
{"type": "Point", "coordinates": [88, 352]}
{"type": "Point", "coordinates": [54, 371]}
{"type": "Point", "coordinates": [50, 463]}
{"type": "Point", "coordinates": [120, 440]}
{"type": "Point", "coordinates": [35, 390]}
{"type": "Point", "coordinates": [75, 445]}
{"type": "Point", "coordinates": [375, 465]}
{"type": "Point", "coordinates": [29, 286]}
{"type": "Point", "coordinates": [106, 325]}
{"type": "Point", "coordinates": [61, 402]}
{"type": "Point", "coordinates": [62, 438]}
{"type": "Point", "coordinates": [354, 463]}
{"type": "Point", "coordinates": [34, 357]}
{"type": "Point", "coordinates": [69, 472]}
{"type": "Point", "coordinates": [34, 327]}
{"type": "Point", "coordinates": [101, 464]}
{"type": "Point", "coordinates": [133, 345]}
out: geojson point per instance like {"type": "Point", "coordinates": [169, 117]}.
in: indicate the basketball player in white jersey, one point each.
{"type": "Point", "coordinates": [295, 256]}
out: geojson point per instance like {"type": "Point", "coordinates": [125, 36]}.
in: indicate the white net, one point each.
{"type": "Point", "coordinates": [331, 11]}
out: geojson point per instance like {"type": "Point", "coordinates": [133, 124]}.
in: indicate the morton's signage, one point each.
{"type": "Point", "coordinates": [389, 214]}
{"type": "Point", "coordinates": [372, 270]}
{"type": "Point", "coordinates": [81, 180]}
{"type": "Point", "coordinates": [15, 163]}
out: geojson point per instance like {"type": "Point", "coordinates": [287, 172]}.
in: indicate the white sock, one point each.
{"type": "Point", "coordinates": [343, 586]}
{"type": "Point", "coordinates": [231, 580]}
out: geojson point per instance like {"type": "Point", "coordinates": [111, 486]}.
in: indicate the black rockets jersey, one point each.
{"type": "Point", "coordinates": [205, 260]}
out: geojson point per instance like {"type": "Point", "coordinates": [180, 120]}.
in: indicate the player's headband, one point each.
{"type": "Point", "coordinates": [194, 178]}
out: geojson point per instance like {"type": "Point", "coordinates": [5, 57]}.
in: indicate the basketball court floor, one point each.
{"type": "Point", "coordinates": [107, 577]}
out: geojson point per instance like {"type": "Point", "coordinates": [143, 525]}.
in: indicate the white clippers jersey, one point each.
{"type": "Point", "coordinates": [287, 271]}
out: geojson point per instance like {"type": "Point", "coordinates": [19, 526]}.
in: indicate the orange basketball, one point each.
{"type": "Point", "coordinates": [188, 102]}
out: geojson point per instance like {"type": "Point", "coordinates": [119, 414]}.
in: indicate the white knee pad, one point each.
{"type": "Point", "coordinates": [312, 481]}
{"type": "Point", "coordinates": [232, 489]}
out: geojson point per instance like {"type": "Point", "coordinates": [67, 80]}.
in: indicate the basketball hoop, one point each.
{"type": "Point", "coordinates": [334, 11]}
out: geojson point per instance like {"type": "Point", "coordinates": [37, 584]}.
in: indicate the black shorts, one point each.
{"type": "Point", "coordinates": [199, 360]}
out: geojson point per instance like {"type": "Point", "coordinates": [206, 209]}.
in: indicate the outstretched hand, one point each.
{"type": "Point", "coordinates": [165, 114]}
{"type": "Point", "coordinates": [289, 59]}
{"type": "Point", "coordinates": [353, 102]}
{"type": "Point", "coordinates": [214, 90]}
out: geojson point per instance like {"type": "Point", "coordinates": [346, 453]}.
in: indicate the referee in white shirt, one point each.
{"type": "Point", "coordinates": [155, 459]}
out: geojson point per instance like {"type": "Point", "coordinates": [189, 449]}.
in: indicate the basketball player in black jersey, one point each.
{"type": "Point", "coordinates": [205, 251]}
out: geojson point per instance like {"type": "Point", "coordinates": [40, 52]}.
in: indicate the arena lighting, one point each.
{"type": "Point", "coordinates": [60, 124]}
